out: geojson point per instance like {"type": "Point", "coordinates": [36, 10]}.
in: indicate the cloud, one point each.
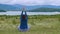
{"type": "Point", "coordinates": [31, 2]}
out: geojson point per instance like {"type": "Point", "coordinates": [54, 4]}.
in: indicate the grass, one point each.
{"type": "Point", "coordinates": [40, 24]}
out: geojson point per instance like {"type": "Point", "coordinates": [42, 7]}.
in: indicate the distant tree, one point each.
{"type": "Point", "coordinates": [45, 10]}
{"type": "Point", "coordinates": [2, 11]}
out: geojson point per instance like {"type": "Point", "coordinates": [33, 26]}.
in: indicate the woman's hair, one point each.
{"type": "Point", "coordinates": [23, 16]}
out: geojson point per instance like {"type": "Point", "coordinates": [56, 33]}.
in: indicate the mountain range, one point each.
{"type": "Point", "coordinates": [19, 7]}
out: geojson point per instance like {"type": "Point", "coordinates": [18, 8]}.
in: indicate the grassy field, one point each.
{"type": "Point", "coordinates": [40, 24]}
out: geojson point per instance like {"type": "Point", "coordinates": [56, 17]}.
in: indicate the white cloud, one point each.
{"type": "Point", "coordinates": [56, 2]}
{"type": "Point", "coordinates": [31, 2]}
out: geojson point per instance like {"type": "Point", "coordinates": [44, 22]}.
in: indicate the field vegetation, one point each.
{"type": "Point", "coordinates": [39, 24]}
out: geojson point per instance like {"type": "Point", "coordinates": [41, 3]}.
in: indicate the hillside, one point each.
{"type": "Point", "coordinates": [2, 11]}
{"type": "Point", "coordinates": [39, 8]}
{"type": "Point", "coordinates": [46, 10]}
{"type": "Point", "coordinates": [8, 7]}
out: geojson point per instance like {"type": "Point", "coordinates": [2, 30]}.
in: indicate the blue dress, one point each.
{"type": "Point", "coordinates": [23, 21]}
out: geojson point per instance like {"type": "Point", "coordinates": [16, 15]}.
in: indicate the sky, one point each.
{"type": "Point", "coordinates": [31, 2]}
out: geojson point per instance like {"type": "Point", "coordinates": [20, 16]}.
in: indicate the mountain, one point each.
{"type": "Point", "coordinates": [19, 7]}
{"type": "Point", "coordinates": [7, 7]}
{"type": "Point", "coordinates": [27, 7]}
{"type": "Point", "coordinates": [44, 9]}
{"type": "Point", "coordinates": [15, 7]}
{"type": "Point", "coordinates": [36, 6]}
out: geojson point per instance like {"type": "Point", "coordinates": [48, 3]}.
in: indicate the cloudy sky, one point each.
{"type": "Point", "coordinates": [31, 2]}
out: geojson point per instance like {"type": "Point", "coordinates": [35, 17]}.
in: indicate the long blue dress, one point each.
{"type": "Point", "coordinates": [23, 21]}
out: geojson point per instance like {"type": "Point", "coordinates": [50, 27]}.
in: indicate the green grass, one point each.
{"type": "Point", "coordinates": [40, 24]}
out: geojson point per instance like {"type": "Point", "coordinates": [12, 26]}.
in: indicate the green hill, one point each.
{"type": "Point", "coordinates": [8, 7]}
{"type": "Point", "coordinates": [2, 11]}
{"type": "Point", "coordinates": [45, 10]}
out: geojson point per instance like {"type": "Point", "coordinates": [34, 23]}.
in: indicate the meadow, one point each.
{"type": "Point", "coordinates": [39, 24]}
